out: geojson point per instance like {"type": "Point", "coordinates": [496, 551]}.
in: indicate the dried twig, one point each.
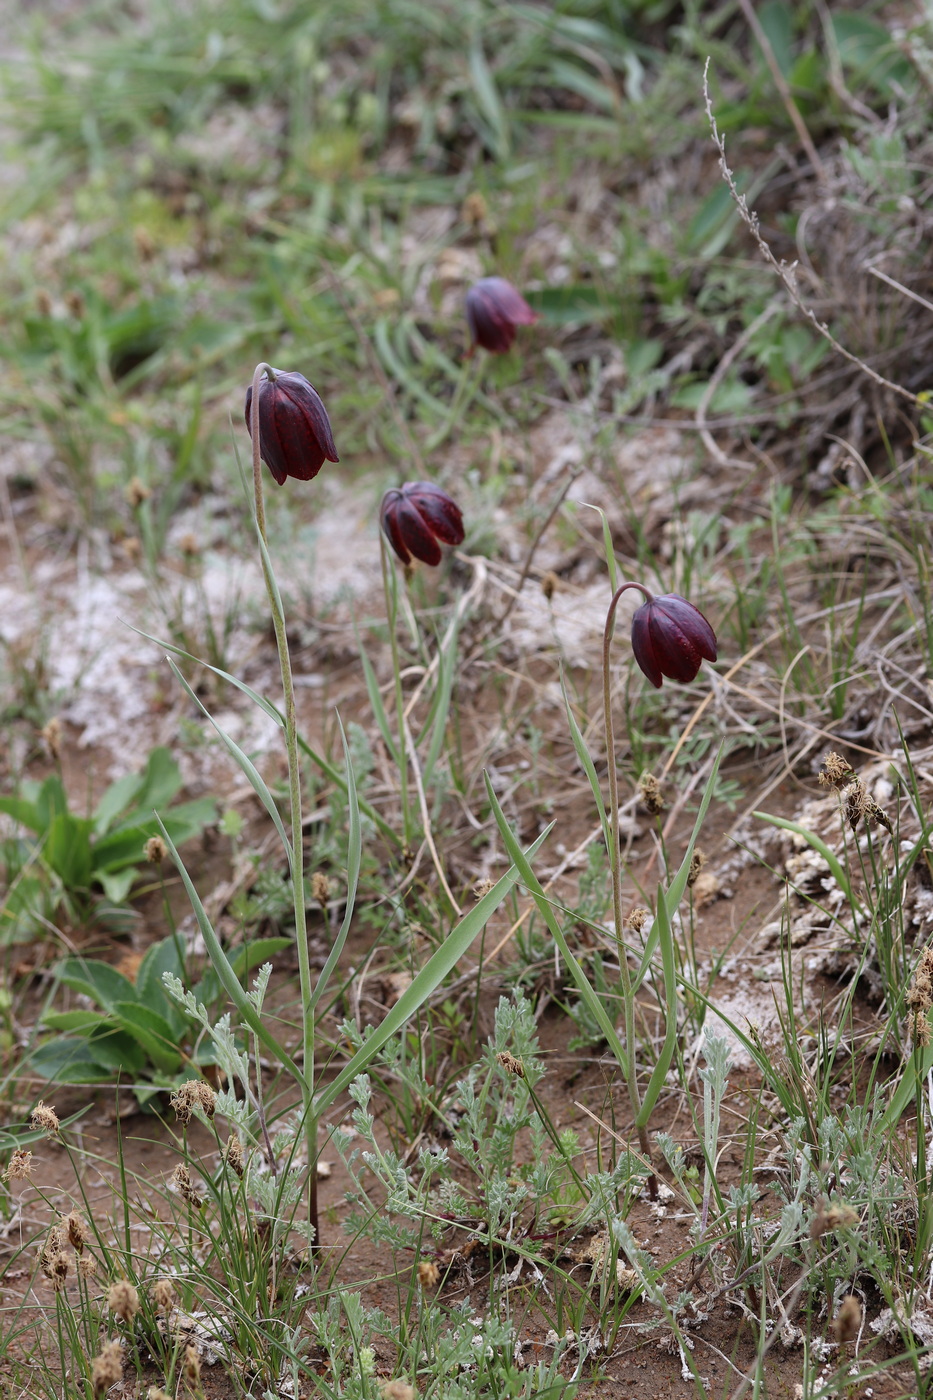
{"type": "Point", "coordinates": [785, 272]}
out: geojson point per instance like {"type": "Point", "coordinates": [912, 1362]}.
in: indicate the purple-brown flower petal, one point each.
{"type": "Point", "coordinates": [671, 637]}
{"type": "Point", "coordinates": [295, 437]}
{"type": "Point", "coordinates": [494, 311]}
{"type": "Point", "coordinates": [418, 518]}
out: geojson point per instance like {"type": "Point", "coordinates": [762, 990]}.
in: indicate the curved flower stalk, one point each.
{"type": "Point", "coordinates": [417, 518]}
{"type": "Point", "coordinates": [290, 430]}
{"type": "Point", "coordinates": [670, 637]}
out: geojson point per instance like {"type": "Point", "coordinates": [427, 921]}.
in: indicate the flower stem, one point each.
{"type": "Point", "coordinates": [390, 586]}
{"type": "Point", "coordinates": [615, 866]}
{"type": "Point", "coordinates": [470, 375]}
{"type": "Point", "coordinates": [296, 852]}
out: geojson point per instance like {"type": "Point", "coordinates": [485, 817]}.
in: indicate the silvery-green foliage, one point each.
{"type": "Point", "coordinates": [231, 1060]}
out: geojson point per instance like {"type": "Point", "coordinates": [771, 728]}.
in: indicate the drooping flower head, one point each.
{"type": "Point", "coordinates": [494, 311]}
{"type": "Point", "coordinates": [418, 518]}
{"type": "Point", "coordinates": [670, 637]}
{"type": "Point", "coordinates": [295, 437]}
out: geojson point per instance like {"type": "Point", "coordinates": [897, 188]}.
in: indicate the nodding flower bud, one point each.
{"type": "Point", "coordinates": [418, 518]}
{"type": "Point", "coordinates": [494, 311]}
{"type": "Point", "coordinates": [295, 437]}
{"type": "Point", "coordinates": [670, 637]}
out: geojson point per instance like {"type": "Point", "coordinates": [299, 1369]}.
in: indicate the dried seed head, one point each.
{"type": "Point", "coordinates": [87, 1266]}
{"type": "Point", "coordinates": [429, 1274]}
{"type": "Point", "coordinates": [511, 1064]}
{"type": "Point", "coordinates": [43, 302]}
{"type": "Point", "coordinates": [73, 1226]}
{"type": "Point", "coordinates": [320, 887]}
{"type": "Point", "coordinates": [233, 1154]}
{"type": "Point", "coordinates": [919, 995]}
{"type": "Point", "coordinates": [920, 1030]}
{"type": "Point", "coordinates": [180, 1181]}
{"type": "Point", "coordinates": [855, 803]}
{"type": "Point", "coordinates": [145, 243]}
{"type": "Point", "coordinates": [550, 584]}
{"type": "Point", "coordinates": [637, 919]}
{"type": "Point", "coordinates": [51, 733]}
{"type": "Point", "coordinates": [835, 772]}
{"type": "Point", "coordinates": [190, 544]}
{"type": "Point", "coordinates": [163, 1295]}
{"type": "Point", "coordinates": [192, 1366]}
{"type": "Point", "coordinates": [55, 1262]}
{"type": "Point", "coordinates": [123, 1300]}
{"type": "Point", "coordinates": [155, 850]}
{"type": "Point", "coordinates": [482, 888]}
{"type": "Point", "coordinates": [135, 492]}
{"type": "Point", "coordinates": [19, 1167]}
{"type": "Point", "coordinates": [841, 1217]}
{"type": "Point", "coordinates": [107, 1369]}
{"type": "Point", "coordinates": [651, 798]}
{"type": "Point", "coordinates": [194, 1093]}
{"type": "Point", "coordinates": [848, 1320]}
{"type": "Point", "coordinates": [697, 862]}
{"type": "Point", "coordinates": [45, 1119]}
{"type": "Point", "coordinates": [474, 209]}
{"type": "Point", "coordinates": [397, 1390]}
{"type": "Point", "coordinates": [834, 1217]}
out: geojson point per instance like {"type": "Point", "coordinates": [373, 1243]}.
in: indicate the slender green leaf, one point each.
{"type": "Point", "coordinates": [228, 978]}
{"type": "Point", "coordinates": [354, 860]}
{"type": "Point", "coordinates": [249, 768]}
{"type": "Point", "coordinates": [430, 977]}
{"type": "Point", "coordinates": [528, 878]}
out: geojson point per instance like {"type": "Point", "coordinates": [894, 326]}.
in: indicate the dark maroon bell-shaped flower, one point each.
{"type": "Point", "coordinates": [494, 311]}
{"type": "Point", "coordinates": [295, 437]}
{"type": "Point", "coordinates": [670, 637]}
{"type": "Point", "coordinates": [418, 518]}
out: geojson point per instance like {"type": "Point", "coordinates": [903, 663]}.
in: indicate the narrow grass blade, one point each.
{"type": "Point", "coordinates": [440, 708]}
{"type": "Point", "coordinates": [249, 768]}
{"type": "Point", "coordinates": [678, 885]}
{"type": "Point", "coordinates": [221, 963]}
{"type": "Point", "coordinates": [528, 878]}
{"type": "Point", "coordinates": [379, 710]}
{"type": "Point", "coordinates": [354, 859]}
{"type": "Point", "coordinates": [589, 768]}
{"type": "Point", "coordinates": [819, 845]}
{"type": "Point", "coordinates": [607, 544]}
{"type": "Point", "coordinates": [427, 981]}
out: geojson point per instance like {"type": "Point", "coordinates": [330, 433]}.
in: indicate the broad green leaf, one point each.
{"type": "Point", "coordinates": [115, 800]}
{"type": "Point", "coordinates": [259, 951]}
{"type": "Point", "coordinates": [85, 1022]}
{"type": "Point", "coordinates": [69, 1061]}
{"type": "Point", "coordinates": [21, 811]}
{"type": "Point", "coordinates": [67, 849]}
{"type": "Point", "coordinates": [570, 305]}
{"type": "Point", "coordinates": [97, 980]}
{"type": "Point", "coordinates": [116, 886]}
{"type": "Point", "coordinates": [151, 1031]}
{"type": "Point", "coordinates": [51, 802]}
{"type": "Point", "coordinates": [161, 781]}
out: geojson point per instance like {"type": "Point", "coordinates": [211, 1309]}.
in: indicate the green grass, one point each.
{"type": "Point", "coordinates": [317, 186]}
